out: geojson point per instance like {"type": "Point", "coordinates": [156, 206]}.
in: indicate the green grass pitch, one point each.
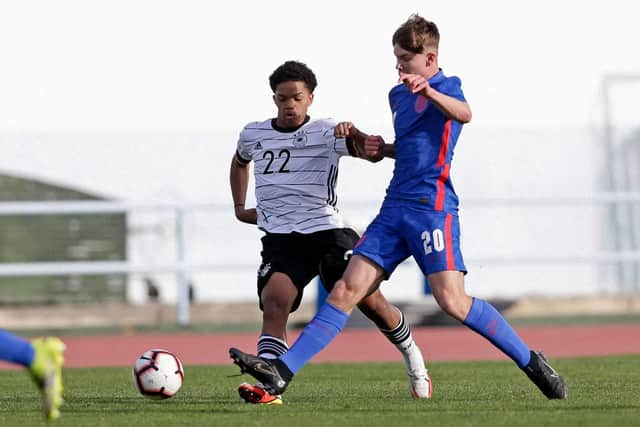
{"type": "Point", "coordinates": [603, 391]}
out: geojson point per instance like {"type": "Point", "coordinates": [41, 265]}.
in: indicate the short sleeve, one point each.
{"type": "Point", "coordinates": [244, 146]}
{"type": "Point", "coordinates": [453, 88]}
{"type": "Point", "coordinates": [339, 145]}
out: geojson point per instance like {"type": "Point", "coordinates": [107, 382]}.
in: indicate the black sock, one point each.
{"type": "Point", "coordinates": [283, 370]}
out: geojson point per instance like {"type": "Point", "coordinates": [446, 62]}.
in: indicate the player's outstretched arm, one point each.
{"type": "Point", "coordinates": [239, 180]}
{"type": "Point", "coordinates": [450, 106]}
{"type": "Point", "coordinates": [374, 146]}
{"type": "Point", "coordinates": [356, 142]}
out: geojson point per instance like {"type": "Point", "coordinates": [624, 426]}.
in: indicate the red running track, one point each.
{"type": "Point", "coordinates": [358, 345]}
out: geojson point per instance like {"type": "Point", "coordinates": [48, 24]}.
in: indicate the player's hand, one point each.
{"type": "Point", "coordinates": [373, 148]}
{"type": "Point", "coordinates": [415, 82]}
{"type": "Point", "coordinates": [344, 130]}
{"type": "Point", "coordinates": [250, 216]}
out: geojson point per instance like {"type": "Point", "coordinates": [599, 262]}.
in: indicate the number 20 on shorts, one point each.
{"type": "Point", "coordinates": [433, 240]}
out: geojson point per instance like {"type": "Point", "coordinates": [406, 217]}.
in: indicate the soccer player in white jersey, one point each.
{"type": "Point", "coordinates": [295, 172]}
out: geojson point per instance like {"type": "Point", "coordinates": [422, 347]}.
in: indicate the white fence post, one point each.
{"type": "Point", "coordinates": [182, 275]}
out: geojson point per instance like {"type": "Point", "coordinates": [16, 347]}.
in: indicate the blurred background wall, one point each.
{"type": "Point", "coordinates": [535, 221]}
{"type": "Point", "coordinates": [132, 109]}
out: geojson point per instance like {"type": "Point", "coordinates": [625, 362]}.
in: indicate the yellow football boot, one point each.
{"type": "Point", "coordinates": [46, 372]}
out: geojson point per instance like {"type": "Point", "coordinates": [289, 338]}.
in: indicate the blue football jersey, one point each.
{"type": "Point", "coordinates": [425, 140]}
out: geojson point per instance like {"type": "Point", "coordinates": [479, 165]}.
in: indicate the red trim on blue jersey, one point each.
{"type": "Point", "coordinates": [451, 265]}
{"type": "Point", "coordinates": [360, 240]}
{"type": "Point", "coordinates": [442, 158]}
{"type": "Point", "coordinates": [444, 146]}
{"type": "Point", "coordinates": [441, 189]}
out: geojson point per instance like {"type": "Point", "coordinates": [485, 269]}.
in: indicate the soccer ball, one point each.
{"type": "Point", "coordinates": [158, 374]}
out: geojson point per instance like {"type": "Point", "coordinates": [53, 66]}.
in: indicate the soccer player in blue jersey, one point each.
{"type": "Point", "coordinates": [43, 357]}
{"type": "Point", "coordinates": [418, 218]}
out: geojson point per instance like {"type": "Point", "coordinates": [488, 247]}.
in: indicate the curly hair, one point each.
{"type": "Point", "coordinates": [293, 71]}
{"type": "Point", "coordinates": [417, 35]}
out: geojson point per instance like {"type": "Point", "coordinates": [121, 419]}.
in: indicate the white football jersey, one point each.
{"type": "Point", "coordinates": [295, 175]}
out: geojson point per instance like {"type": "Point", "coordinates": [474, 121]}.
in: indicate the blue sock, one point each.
{"type": "Point", "coordinates": [328, 322]}
{"type": "Point", "coordinates": [485, 320]}
{"type": "Point", "coordinates": [14, 349]}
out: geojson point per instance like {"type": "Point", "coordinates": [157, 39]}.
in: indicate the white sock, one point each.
{"type": "Point", "coordinates": [271, 347]}
{"type": "Point", "coordinates": [401, 337]}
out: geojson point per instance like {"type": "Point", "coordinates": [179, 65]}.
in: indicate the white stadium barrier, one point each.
{"type": "Point", "coordinates": [202, 244]}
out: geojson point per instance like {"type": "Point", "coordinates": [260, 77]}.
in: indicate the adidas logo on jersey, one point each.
{"type": "Point", "coordinates": [258, 146]}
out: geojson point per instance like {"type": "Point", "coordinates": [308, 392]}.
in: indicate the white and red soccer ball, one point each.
{"type": "Point", "coordinates": [158, 374]}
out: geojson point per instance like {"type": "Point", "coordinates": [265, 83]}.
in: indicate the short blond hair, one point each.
{"type": "Point", "coordinates": [417, 35]}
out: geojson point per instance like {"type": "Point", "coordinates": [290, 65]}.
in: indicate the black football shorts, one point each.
{"type": "Point", "coordinates": [299, 256]}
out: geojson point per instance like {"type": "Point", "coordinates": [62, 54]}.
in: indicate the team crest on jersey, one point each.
{"type": "Point", "coordinates": [300, 139]}
{"type": "Point", "coordinates": [421, 104]}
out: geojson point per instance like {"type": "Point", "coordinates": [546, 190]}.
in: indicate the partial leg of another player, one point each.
{"type": "Point", "coordinates": [44, 359]}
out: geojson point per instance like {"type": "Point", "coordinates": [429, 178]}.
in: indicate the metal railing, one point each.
{"type": "Point", "coordinates": [182, 268]}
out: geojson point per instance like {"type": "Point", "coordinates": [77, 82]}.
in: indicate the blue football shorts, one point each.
{"type": "Point", "coordinates": [431, 237]}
